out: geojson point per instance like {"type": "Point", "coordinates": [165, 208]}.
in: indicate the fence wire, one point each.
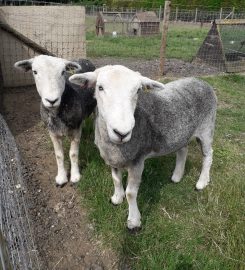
{"type": "Point", "coordinates": [26, 31]}
{"type": "Point", "coordinates": [19, 251]}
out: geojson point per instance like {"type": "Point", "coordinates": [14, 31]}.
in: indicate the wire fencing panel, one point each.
{"type": "Point", "coordinates": [26, 31]}
{"type": "Point", "coordinates": [233, 41]}
{"type": "Point", "coordinates": [14, 220]}
{"type": "Point", "coordinates": [127, 32]}
{"type": "Point", "coordinates": [224, 46]}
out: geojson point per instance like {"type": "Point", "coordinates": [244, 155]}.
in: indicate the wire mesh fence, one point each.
{"type": "Point", "coordinates": [17, 248]}
{"type": "Point", "coordinates": [224, 46]}
{"type": "Point", "coordinates": [127, 32]}
{"type": "Point", "coordinates": [26, 31]}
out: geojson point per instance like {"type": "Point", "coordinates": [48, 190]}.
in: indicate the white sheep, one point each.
{"type": "Point", "coordinates": [63, 106]}
{"type": "Point", "coordinates": [133, 125]}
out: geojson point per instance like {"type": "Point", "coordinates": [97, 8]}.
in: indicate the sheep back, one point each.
{"type": "Point", "coordinates": [165, 121]}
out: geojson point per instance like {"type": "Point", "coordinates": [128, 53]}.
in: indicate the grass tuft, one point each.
{"type": "Point", "coordinates": [182, 43]}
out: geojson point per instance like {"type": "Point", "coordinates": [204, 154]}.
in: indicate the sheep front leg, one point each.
{"type": "Point", "coordinates": [61, 177]}
{"type": "Point", "coordinates": [74, 155]}
{"type": "Point", "coordinates": [134, 179]}
{"type": "Point", "coordinates": [119, 193]}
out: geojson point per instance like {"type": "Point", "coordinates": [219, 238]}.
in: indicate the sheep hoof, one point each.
{"type": "Point", "coordinates": [176, 177]}
{"type": "Point", "coordinates": [111, 202]}
{"type": "Point", "coordinates": [75, 185]}
{"type": "Point", "coordinates": [60, 185]}
{"type": "Point", "coordinates": [116, 200]}
{"type": "Point", "coordinates": [134, 230]}
{"type": "Point", "coordinates": [114, 204]}
{"type": "Point", "coordinates": [75, 178]}
{"type": "Point", "coordinates": [201, 185]}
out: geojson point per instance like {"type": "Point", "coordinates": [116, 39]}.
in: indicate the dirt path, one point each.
{"type": "Point", "coordinates": [173, 67]}
{"type": "Point", "coordinates": [63, 235]}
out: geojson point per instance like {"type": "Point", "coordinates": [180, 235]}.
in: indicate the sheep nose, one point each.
{"type": "Point", "coordinates": [121, 135]}
{"type": "Point", "coordinates": [51, 101]}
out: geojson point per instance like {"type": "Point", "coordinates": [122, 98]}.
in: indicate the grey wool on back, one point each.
{"type": "Point", "coordinates": [165, 121]}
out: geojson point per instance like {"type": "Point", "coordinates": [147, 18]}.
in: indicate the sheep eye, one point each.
{"type": "Point", "coordinates": [138, 90]}
{"type": "Point", "coordinates": [34, 72]}
{"type": "Point", "coordinates": [101, 88]}
{"type": "Point", "coordinates": [63, 73]}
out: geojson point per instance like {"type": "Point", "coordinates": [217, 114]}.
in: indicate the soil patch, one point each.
{"type": "Point", "coordinates": [63, 235]}
{"type": "Point", "coordinates": [150, 68]}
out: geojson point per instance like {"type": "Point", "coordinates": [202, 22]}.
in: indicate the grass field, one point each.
{"type": "Point", "coordinates": [183, 43]}
{"type": "Point", "coordinates": [182, 228]}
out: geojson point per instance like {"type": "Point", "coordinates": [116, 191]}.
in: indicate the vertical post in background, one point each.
{"type": "Point", "coordinates": [176, 14]}
{"type": "Point", "coordinates": [220, 14]}
{"type": "Point", "coordinates": [196, 15]}
{"type": "Point", "coordinates": [160, 12]}
{"type": "Point", "coordinates": [164, 36]}
{"type": "Point", "coordinates": [233, 11]}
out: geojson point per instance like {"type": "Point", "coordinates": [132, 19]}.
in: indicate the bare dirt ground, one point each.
{"type": "Point", "coordinates": [150, 68]}
{"type": "Point", "coordinates": [63, 234]}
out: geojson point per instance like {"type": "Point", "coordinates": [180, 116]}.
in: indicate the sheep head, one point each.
{"type": "Point", "coordinates": [49, 75]}
{"type": "Point", "coordinates": [116, 92]}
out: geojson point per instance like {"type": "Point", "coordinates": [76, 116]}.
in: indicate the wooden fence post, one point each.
{"type": "Point", "coordinates": [164, 36]}
{"type": "Point", "coordinates": [160, 13]}
{"type": "Point", "coordinates": [176, 14]}
{"type": "Point", "coordinates": [233, 11]}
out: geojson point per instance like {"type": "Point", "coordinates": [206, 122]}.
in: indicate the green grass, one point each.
{"type": "Point", "coordinates": [182, 43]}
{"type": "Point", "coordinates": [182, 228]}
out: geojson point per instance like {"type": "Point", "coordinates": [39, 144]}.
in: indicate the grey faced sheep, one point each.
{"type": "Point", "coordinates": [133, 125]}
{"type": "Point", "coordinates": [63, 107]}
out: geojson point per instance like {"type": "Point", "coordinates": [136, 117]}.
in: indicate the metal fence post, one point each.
{"type": "Point", "coordinates": [160, 12]}
{"type": "Point", "coordinates": [164, 36]}
{"type": "Point", "coordinates": [220, 14]}
{"type": "Point", "coordinates": [176, 14]}
{"type": "Point", "coordinates": [233, 11]}
{"type": "Point", "coordinates": [196, 15]}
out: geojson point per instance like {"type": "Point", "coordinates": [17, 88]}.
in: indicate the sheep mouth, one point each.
{"type": "Point", "coordinates": [51, 107]}
{"type": "Point", "coordinates": [120, 141]}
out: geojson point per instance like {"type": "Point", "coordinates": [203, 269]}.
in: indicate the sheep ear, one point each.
{"type": "Point", "coordinates": [87, 79]}
{"type": "Point", "coordinates": [24, 65]}
{"type": "Point", "coordinates": [71, 66]}
{"type": "Point", "coordinates": [151, 84]}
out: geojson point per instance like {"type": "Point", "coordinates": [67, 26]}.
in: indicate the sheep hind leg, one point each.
{"type": "Point", "coordinates": [207, 151]}
{"type": "Point", "coordinates": [134, 179]}
{"type": "Point", "coordinates": [180, 164]}
{"type": "Point", "coordinates": [61, 177]}
{"type": "Point", "coordinates": [74, 155]}
{"type": "Point", "coordinates": [119, 193]}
